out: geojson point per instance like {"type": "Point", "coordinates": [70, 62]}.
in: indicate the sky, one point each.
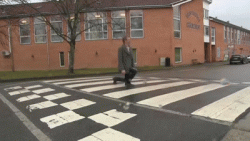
{"type": "Point", "coordinates": [237, 12]}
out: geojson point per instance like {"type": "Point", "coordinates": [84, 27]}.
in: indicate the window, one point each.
{"type": "Point", "coordinates": [177, 21]}
{"type": "Point", "coordinates": [56, 22]}
{"type": "Point", "coordinates": [178, 55]}
{"type": "Point", "coordinates": [206, 14]}
{"type": "Point", "coordinates": [78, 30]}
{"type": "Point", "coordinates": [225, 34]}
{"type": "Point", "coordinates": [213, 35]}
{"type": "Point", "coordinates": [238, 36]}
{"type": "Point", "coordinates": [118, 24]}
{"type": "Point", "coordinates": [235, 36]}
{"type": "Point", "coordinates": [135, 55]}
{"type": "Point", "coordinates": [136, 22]}
{"type": "Point", "coordinates": [229, 35]}
{"type": "Point", "coordinates": [40, 30]}
{"type": "Point", "coordinates": [61, 57]}
{"type": "Point", "coordinates": [96, 27]}
{"type": "Point", "coordinates": [25, 31]}
{"type": "Point", "coordinates": [218, 52]}
{"type": "Point", "coordinates": [206, 30]}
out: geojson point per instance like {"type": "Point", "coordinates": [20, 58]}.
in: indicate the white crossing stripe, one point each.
{"type": "Point", "coordinates": [82, 78]}
{"type": "Point", "coordinates": [19, 92]}
{"type": "Point", "coordinates": [13, 88]}
{"type": "Point", "coordinates": [174, 79]}
{"type": "Point", "coordinates": [41, 105]}
{"type": "Point", "coordinates": [246, 83]}
{"type": "Point", "coordinates": [119, 86]}
{"type": "Point", "coordinates": [88, 84]}
{"type": "Point", "coordinates": [56, 96]}
{"type": "Point", "coordinates": [109, 134]}
{"type": "Point", "coordinates": [26, 98]}
{"type": "Point", "coordinates": [61, 119]}
{"type": "Point", "coordinates": [227, 108]}
{"type": "Point", "coordinates": [89, 80]}
{"type": "Point", "coordinates": [77, 104]}
{"type": "Point", "coordinates": [120, 94]}
{"type": "Point", "coordinates": [166, 99]}
{"type": "Point", "coordinates": [45, 90]}
{"type": "Point", "coordinates": [112, 117]}
{"type": "Point", "coordinates": [32, 87]}
{"type": "Point", "coordinates": [197, 80]}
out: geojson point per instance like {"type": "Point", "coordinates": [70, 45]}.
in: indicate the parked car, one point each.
{"type": "Point", "coordinates": [236, 59]}
{"type": "Point", "coordinates": [248, 58]}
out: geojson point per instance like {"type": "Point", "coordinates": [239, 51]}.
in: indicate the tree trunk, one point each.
{"type": "Point", "coordinates": [71, 57]}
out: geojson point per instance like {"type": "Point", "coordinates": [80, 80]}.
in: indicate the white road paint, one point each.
{"type": "Point", "coordinates": [88, 80]}
{"type": "Point", "coordinates": [61, 119]}
{"type": "Point", "coordinates": [82, 78]}
{"type": "Point", "coordinates": [94, 89]}
{"type": "Point", "coordinates": [13, 88]}
{"type": "Point", "coordinates": [120, 94]}
{"type": "Point", "coordinates": [246, 83]}
{"type": "Point", "coordinates": [19, 92]}
{"type": "Point", "coordinates": [169, 98]}
{"type": "Point", "coordinates": [197, 80]}
{"type": "Point", "coordinates": [109, 134]}
{"type": "Point", "coordinates": [41, 105]}
{"type": "Point", "coordinates": [56, 96]}
{"type": "Point", "coordinates": [34, 86]}
{"type": "Point", "coordinates": [111, 118]}
{"type": "Point", "coordinates": [174, 79]}
{"type": "Point", "coordinates": [27, 98]}
{"type": "Point", "coordinates": [77, 104]}
{"type": "Point", "coordinates": [45, 90]}
{"type": "Point", "coordinates": [227, 108]}
{"type": "Point", "coordinates": [88, 84]}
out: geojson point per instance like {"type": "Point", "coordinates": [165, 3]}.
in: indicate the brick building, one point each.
{"type": "Point", "coordinates": [177, 29]}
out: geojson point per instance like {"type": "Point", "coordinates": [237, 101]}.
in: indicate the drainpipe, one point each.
{"type": "Point", "coordinates": [11, 46]}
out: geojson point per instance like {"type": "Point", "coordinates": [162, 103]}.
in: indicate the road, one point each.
{"type": "Point", "coordinates": [185, 103]}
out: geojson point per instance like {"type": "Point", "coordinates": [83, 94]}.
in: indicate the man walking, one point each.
{"type": "Point", "coordinates": [126, 62]}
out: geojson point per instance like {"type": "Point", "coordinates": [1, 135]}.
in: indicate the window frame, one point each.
{"type": "Point", "coordinates": [141, 22]}
{"type": "Point", "coordinates": [118, 18]}
{"type": "Point", "coordinates": [87, 31]}
{"type": "Point", "coordinates": [69, 32]}
{"type": "Point", "coordinates": [135, 59]}
{"type": "Point", "coordinates": [177, 18]}
{"type": "Point", "coordinates": [177, 62]}
{"type": "Point", "coordinates": [60, 59]}
{"type": "Point", "coordinates": [29, 36]}
{"type": "Point", "coordinates": [225, 34]}
{"type": "Point", "coordinates": [206, 14]}
{"type": "Point", "coordinates": [213, 33]}
{"type": "Point", "coordinates": [55, 33]}
{"type": "Point", "coordinates": [41, 35]}
{"type": "Point", "coordinates": [206, 31]}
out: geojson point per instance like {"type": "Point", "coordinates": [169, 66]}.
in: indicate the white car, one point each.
{"type": "Point", "coordinates": [248, 58]}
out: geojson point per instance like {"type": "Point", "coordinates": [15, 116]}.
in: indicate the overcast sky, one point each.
{"type": "Point", "coordinates": [236, 12]}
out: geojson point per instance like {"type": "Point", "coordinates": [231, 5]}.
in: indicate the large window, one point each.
{"type": "Point", "coordinates": [96, 27]}
{"type": "Point", "coordinates": [40, 30]}
{"type": "Point", "coordinates": [206, 14]}
{"type": "Point", "coordinates": [78, 30]}
{"type": "Point", "coordinates": [206, 30]}
{"type": "Point", "coordinates": [228, 34]}
{"type": "Point", "coordinates": [177, 21]}
{"type": "Point", "coordinates": [56, 29]}
{"type": "Point", "coordinates": [178, 55]}
{"type": "Point", "coordinates": [213, 35]}
{"type": "Point", "coordinates": [118, 24]}
{"type": "Point", "coordinates": [25, 31]}
{"type": "Point", "coordinates": [136, 23]}
{"type": "Point", "coordinates": [238, 36]}
{"type": "Point", "coordinates": [61, 57]}
{"type": "Point", "coordinates": [231, 34]}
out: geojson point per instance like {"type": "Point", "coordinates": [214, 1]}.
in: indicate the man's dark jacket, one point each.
{"type": "Point", "coordinates": [125, 59]}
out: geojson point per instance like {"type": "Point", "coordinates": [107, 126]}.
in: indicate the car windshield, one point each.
{"type": "Point", "coordinates": [236, 56]}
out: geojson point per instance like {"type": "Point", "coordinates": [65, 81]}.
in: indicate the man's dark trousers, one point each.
{"type": "Point", "coordinates": [128, 76]}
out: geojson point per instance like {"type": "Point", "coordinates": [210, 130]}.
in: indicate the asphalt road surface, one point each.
{"type": "Point", "coordinates": [188, 103]}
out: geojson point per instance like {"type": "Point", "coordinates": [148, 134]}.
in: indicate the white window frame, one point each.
{"type": "Point", "coordinates": [238, 37]}
{"type": "Point", "coordinates": [61, 60]}
{"type": "Point", "coordinates": [225, 34]}
{"type": "Point", "coordinates": [54, 34]}
{"type": "Point", "coordinates": [228, 35]}
{"type": "Point", "coordinates": [77, 32]}
{"type": "Point", "coordinates": [180, 55]}
{"type": "Point", "coordinates": [135, 59]}
{"type": "Point", "coordinates": [103, 17]}
{"type": "Point", "coordinates": [131, 23]}
{"type": "Point", "coordinates": [41, 35]}
{"type": "Point", "coordinates": [119, 17]}
{"type": "Point", "coordinates": [177, 18]}
{"type": "Point", "coordinates": [206, 30]}
{"type": "Point", "coordinates": [213, 34]}
{"type": "Point", "coordinates": [231, 34]}
{"type": "Point", "coordinates": [206, 14]}
{"type": "Point", "coordinates": [20, 24]}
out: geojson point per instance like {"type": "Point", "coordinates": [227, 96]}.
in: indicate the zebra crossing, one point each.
{"type": "Point", "coordinates": [143, 86]}
{"type": "Point", "coordinates": [153, 92]}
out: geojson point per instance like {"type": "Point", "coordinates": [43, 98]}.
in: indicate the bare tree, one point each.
{"type": "Point", "coordinates": [70, 11]}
